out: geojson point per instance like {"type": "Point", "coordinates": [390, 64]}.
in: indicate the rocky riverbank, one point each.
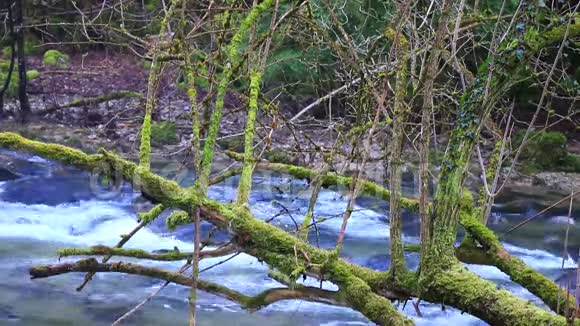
{"type": "Point", "coordinates": [115, 124]}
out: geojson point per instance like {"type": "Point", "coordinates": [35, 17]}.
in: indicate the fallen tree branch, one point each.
{"type": "Point", "coordinates": [551, 293]}
{"type": "Point", "coordinates": [363, 289]}
{"type": "Point", "coordinates": [251, 303]}
{"type": "Point", "coordinates": [368, 188]}
{"type": "Point", "coordinates": [89, 101]}
{"type": "Point", "coordinates": [173, 255]}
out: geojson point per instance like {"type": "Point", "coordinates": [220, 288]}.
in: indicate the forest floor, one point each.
{"type": "Point", "coordinates": [115, 124]}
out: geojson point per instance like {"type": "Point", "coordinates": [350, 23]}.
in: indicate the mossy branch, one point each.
{"type": "Point", "coordinates": [233, 55]}
{"type": "Point", "coordinates": [454, 285]}
{"type": "Point", "coordinates": [368, 188]}
{"type": "Point", "coordinates": [245, 185]}
{"type": "Point", "coordinates": [251, 303]}
{"type": "Point", "coordinates": [173, 255]}
{"type": "Point", "coordinates": [544, 288]}
{"type": "Point", "coordinates": [360, 286]}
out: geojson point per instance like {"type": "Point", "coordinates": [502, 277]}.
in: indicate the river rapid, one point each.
{"type": "Point", "coordinates": [47, 206]}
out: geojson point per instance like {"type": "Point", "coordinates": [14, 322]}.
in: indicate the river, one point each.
{"type": "Point", "coordinates": [49, 206]}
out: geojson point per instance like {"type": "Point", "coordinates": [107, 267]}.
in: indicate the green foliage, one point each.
{"type": "Point", "coordinates": [546, 150]}
{"type": "Point", "coordinates": [13, 85]}
{"type": "Point", "coordinates": [164, 133]}
{"type": "Point", "coordinates": [293, 66]}
{"type": "Point", "coordinates": [32, 74]}
{"type": "Point", "coordinates": [6, 52]}
{"type": "Point", "coordinates": [55, 58]}
{"type": "Point", "coordinates": [571, 163]}
{"type": "Point", "coordinates": [30, 47]}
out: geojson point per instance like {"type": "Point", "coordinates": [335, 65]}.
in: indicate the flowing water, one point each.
{"type": "Point", "coordinates": [51, 206]}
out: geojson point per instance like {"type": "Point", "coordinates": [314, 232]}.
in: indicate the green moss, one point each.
{"type": "Point", "coordinates": [178, 218]}
{"type": "Point", "coordinates": [245, 185]}
{"type": "Point", "coordinates": [56, 152]}
{"type": "Point", "coordinates": [151, 5]}
{"type": "Point", "coordinates": [233, 55]}
{"type": "Point", "coordinates": [151, 215]}
{"type": "Point", "coordinates": [31, 47]}
{"type": "Point", "coordinates": [32, 74]}
{"type": "Point", "coordinates": [164, 133]}
{"type": "Point", "coordinates": [546, 151]}
{"type": "Point", "coordinates": [6, 52]}
{"type": "Point", "coordinates": [459, 287]}
{"type": "Point", "coordinates": [571, 163]}
{"type": "Point", "coordinates": [55, 58]}
{"type": "Point", "coordinates": [13, 84]}
{"type": "Point", "coordinates": [279, 155]}
{"type": "Point", "coordinates": [519, 272]}
{"type": "Point", "coordinates": [368, 188]}
{"type": "Point", "coordinates": [100, 250]}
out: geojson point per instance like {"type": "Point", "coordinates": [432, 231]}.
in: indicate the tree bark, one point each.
{"type": "Point", "coordinates": [12, 60]}
{"type": "Point", "coordinates": [22, 81]}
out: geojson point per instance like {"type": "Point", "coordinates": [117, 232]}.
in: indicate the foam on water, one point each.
{"type": "Point", "coordinates": [363, 223]}
{"type": "Point", "coordinates": [539, 259]}
{"type": "Point", "coordinates": [84, 223]}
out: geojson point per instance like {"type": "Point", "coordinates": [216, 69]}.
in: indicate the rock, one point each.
{"type": "Point", "coordinates": [48, 190]}
{"type": "Point", "coordinates": [7, 175]}
{"type": "Point", "coordinates": [14, 166]}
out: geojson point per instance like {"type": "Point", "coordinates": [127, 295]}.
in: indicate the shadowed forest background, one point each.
{"type": "Point", "coordinates": [311, 162]}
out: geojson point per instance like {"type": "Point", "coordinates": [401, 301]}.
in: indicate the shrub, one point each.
{"type": "Point", "coordinates": [13, 85]}
{"type": "Point", "coordinates": [55, 58]}
{"type": "Point", "coordinates": [164, 133]}
{"type": "Point", "coordinates": [546, 150]}
{"type": "Point", "coordinates": [32, 74]}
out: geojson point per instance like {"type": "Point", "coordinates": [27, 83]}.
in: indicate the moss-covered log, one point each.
{"type": "Point", "coordinates": [553, 295]}
{"type": "Point", "coordinates": [363, 289]}
{"type": "Point", "coordinates": [90, 101]}
{"type": "Point", "coordinates": [251, 303]}
{"type": "Point", "coordinates": [452, 284]}
{"type": "Point", "coordinates": [172, 255]}
{"type": "Point", "coordinates": [368, 188]}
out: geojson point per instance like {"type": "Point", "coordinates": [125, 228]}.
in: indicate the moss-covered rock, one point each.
{"type": "Point", "coordinates": [55, 58]}
{"type": "Point", "coordinates": [164, 133]}
{"type": "Point", "coordinates": [32, 74]}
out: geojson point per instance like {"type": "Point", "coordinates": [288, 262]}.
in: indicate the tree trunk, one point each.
{"type": "Point", "coordinates": [12, 60]}
{"type": "Point", "coordinates": [22, 81]}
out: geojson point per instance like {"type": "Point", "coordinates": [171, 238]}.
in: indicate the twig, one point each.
{"type": "Point", "coordinates": [149, 298]}
{"type": "Point", "coordinates": [572, 195]}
